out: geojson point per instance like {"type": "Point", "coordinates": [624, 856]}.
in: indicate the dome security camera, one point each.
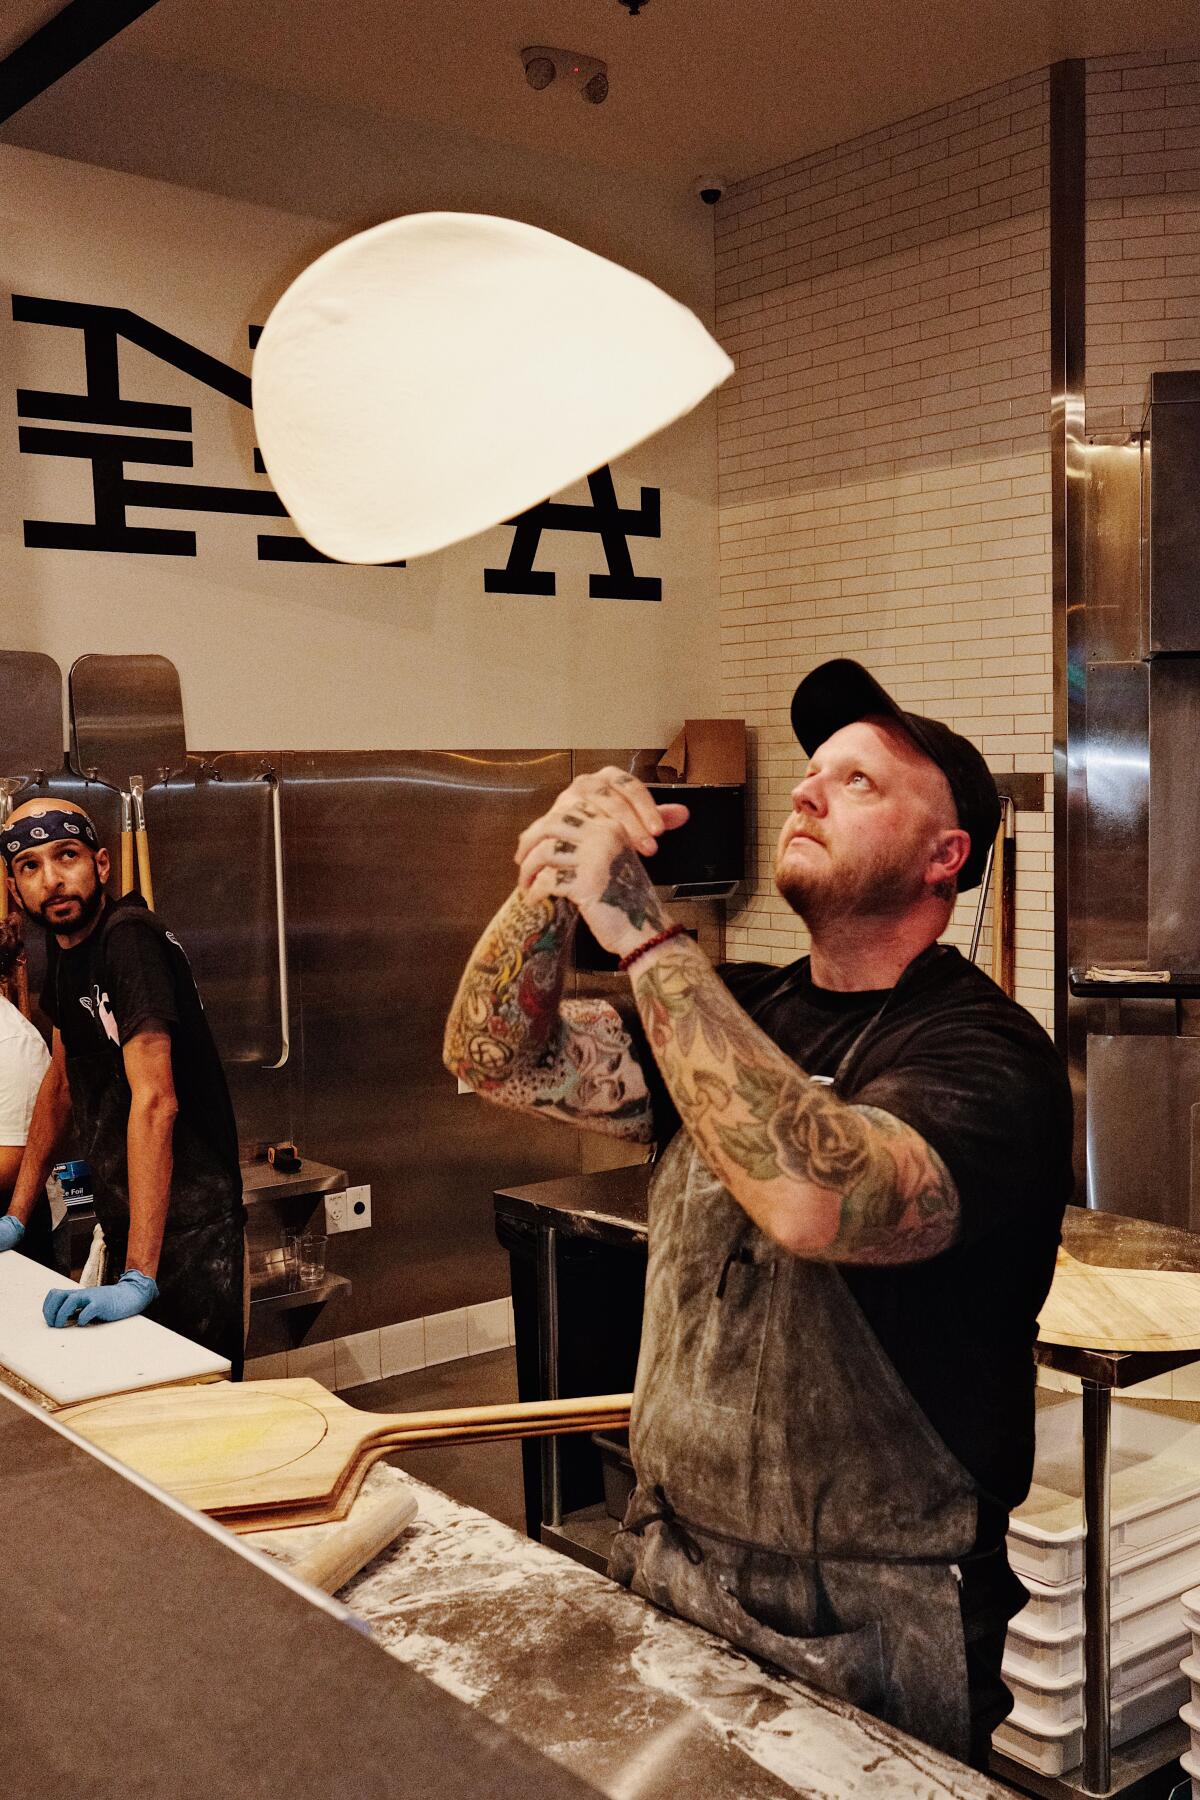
{"type": "Point", "coordinates": [708, 188]}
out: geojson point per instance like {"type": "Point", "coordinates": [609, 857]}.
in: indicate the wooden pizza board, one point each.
{"type": "Point", "coordinates": [59, 1368]}
{"type": "Point", "coordinates": [1092, 1307]}
{"type": "Point", "coordinates": [277, 1454]}
{"type": "Point", "coordinates": [328, 1555]}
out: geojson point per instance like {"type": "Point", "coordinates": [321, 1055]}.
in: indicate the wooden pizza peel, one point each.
{"type": "Point", "coordinates": [1094, 1307]}
{"type": "Point", "coordinates": [278, 1454]}
{"type": "Point", "coordinates": [127, 733]}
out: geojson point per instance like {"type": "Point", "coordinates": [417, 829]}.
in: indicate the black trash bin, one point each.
{"type": "Point", "coordinates": [601, 1292]}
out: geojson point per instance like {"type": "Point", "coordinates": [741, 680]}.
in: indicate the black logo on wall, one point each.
{"type": "Point", "coordinates": [114, 491]}
{"type": "Point", "coordinates": [613, 524]}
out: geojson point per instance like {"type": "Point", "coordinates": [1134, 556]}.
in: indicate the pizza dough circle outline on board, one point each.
{"type": "Point", "coordinates": [169, 1454]}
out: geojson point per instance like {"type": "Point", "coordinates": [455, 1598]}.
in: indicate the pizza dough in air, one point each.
{"type": "Point", "coordinates": [433, 376]}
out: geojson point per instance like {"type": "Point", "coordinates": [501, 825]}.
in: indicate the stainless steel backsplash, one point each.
{"type": "Point", "coordinates": [393, 861]}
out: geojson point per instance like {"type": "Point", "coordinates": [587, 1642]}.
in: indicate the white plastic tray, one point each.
{"type": "Point", "coordinates": [1054, 1749]}
{"type": "Point", "coordinates": [1059, 1662]}
{"type": "Point", "coordinates": [1155, 1485]}
{"type": "Point", "coordinates": [1190, 1764]}
{"type": "Point", "coordinates": [1146, 1600]}
{"type": "Point", "coordinates": [1190, 1603]}
{"type": "Point", "coordinates": [1190, 1666]}
{"type": "Point", "coordinates": [1190, 1714]}
{"type": "Point", "coordinates": [1060, 1703]}
{"type": "Point", "coordinates": [87, 1362]}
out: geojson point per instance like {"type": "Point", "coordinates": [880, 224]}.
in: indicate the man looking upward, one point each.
{"type": "Point", "coordinates": [134, 1062]}
{"type": "Point", "coordinates": [853, 1232]}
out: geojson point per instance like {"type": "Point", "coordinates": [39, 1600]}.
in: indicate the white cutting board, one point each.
{"type": "Point", "coordinates": [86, 1362]}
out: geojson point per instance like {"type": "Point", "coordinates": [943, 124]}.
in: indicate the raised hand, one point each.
{"type": "Point", "coordinates": [586, 850]}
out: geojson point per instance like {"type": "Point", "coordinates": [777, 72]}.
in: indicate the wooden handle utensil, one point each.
{"type": "Point", "coordinates": [283, 1453]}
{"type": "Point", "coordinates": [137, 795]}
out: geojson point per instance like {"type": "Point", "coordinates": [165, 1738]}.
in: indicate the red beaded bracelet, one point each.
{"type": "Point", "coordinates": [661, 937]}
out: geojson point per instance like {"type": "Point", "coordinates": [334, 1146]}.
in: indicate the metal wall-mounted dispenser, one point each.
{"type": "Point", "coordinates": [696, 868]}
{"type": "Point", "coordinates": [706, 858]}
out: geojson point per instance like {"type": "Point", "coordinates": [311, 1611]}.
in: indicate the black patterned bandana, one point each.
{"type": "Point", "coordinates": [52, 826]}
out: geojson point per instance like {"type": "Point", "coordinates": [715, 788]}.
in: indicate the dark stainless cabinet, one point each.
{"type": "Point", "coordinates": [1143, 1127]}
{"type": "Point", "coordinates": [1170, 515]}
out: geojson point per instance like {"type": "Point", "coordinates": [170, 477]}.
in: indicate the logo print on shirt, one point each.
{"type": "Point", "coordinates": [99, 1007]}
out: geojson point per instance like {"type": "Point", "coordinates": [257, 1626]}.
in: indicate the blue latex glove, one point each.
{"type": "Point", "coordinates": [101, 1305]}
{"type": "Point", "coordinates": [11, 1232]}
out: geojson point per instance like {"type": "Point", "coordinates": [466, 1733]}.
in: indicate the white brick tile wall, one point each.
{"type": "Point", "coordinates": [883, 451]}
{"type": "Point", "coordinates": [884, 468]}
{"type": "Point", "coordinates": [1143, 267]}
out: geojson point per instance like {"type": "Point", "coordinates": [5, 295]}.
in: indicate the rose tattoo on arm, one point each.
{"type": "Point", "coordinates": [825, 1178]}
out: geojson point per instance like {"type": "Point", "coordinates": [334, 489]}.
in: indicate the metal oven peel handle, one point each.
{"type": "Point", "coordinates": [270, 776]}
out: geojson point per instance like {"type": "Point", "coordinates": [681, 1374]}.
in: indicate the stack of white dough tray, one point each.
{"type": "Point", "coordinates": [1155, 1551]}
{"type": "Point", "coordinates": [1190, 1669]}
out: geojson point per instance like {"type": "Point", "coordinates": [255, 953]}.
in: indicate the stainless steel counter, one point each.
{"type": "Point", "coordinates": [145, 1654]}
{"type": "Point", "coordinates": [640, 1704]}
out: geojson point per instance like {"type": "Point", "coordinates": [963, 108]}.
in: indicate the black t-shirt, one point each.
{"type": "Point", "coordinates": [977, 1077]}
{"type": "Point", "coordinates": [99, 994]}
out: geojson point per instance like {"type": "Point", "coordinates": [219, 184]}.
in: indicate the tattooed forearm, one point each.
{"type": "Point", "coordinates": [629, 888]}
{"type": "Point", "coordinates": [826, 1179]}
{"type": "Point", "coordinates": [507, 1002]}
{"type": "Point", "coordinates": [511, 1036]}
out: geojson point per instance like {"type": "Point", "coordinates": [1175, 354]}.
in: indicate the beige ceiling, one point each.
{"type": "Point", "coordinates": [19, 19]}
{"type": "Point", "coordinates": [728, 87]}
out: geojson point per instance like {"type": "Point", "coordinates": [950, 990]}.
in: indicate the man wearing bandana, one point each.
{"type": "Point", "coordinates": [134, 1065]}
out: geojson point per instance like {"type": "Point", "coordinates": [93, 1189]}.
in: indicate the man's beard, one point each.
{"type": "Point", "coordinates": [87, 906]}
{"type": "Point", "coordinates": [884, 885]}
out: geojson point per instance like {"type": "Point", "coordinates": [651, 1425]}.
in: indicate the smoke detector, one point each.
{"type": "Point", "coordinates": [543, 64]}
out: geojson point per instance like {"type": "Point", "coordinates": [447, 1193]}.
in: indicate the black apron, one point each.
{"type": "Point", "coordinates": [201, 1264]}
{"type": "Point", "coordinates": [792, 1497]}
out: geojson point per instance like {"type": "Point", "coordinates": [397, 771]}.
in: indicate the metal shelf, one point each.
{"type": "Point", "coordinates": [585, 1536]}
{"type": "Point", "coordinates": [279, 1299]}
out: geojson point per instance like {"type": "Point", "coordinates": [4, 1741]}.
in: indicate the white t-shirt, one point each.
{"type": "Point", "coordinates": [24, 1059]}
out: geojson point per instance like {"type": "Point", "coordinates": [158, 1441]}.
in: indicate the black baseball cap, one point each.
{"type": "Point", "coordinates": [842, 691]}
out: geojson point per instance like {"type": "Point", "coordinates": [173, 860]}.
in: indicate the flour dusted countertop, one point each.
{"type": "Point", "coordinates": [636, 1702]}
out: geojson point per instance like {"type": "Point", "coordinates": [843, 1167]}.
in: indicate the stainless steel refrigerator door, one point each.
{"type": "Point", "coordinates": [396, 861]}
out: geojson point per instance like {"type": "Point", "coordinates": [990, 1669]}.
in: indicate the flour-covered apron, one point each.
{"type": "Point", "coordinates": [792, 1496]}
